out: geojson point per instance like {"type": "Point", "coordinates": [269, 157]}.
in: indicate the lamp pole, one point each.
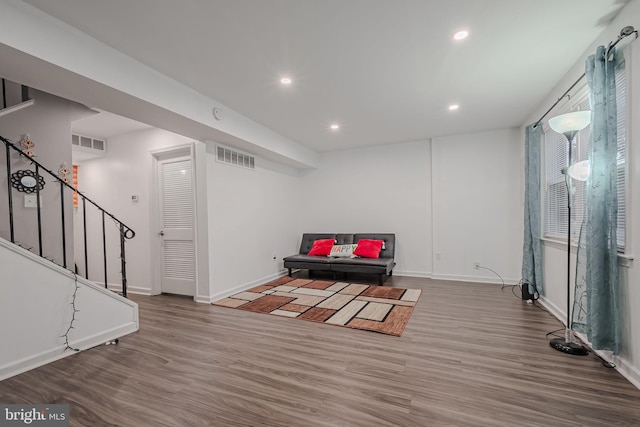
{"type": "Point", "coordinates": [569, 125]}
{"type": "Point", "coordinates": [567, 180]}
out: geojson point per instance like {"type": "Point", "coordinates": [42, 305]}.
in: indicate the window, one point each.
{"type": "Point", "coordinates": [556, 158]}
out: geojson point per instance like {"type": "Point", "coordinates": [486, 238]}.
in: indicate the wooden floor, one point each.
{"type": "Point", "coordinates": [471, 355]}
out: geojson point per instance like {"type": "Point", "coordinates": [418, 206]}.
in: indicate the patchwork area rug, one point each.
{"type": "Point", "coordinates": [373, 308]}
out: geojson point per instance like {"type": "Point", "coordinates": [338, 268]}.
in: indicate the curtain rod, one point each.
{"type": "Point", "coordinates": [625, 32]}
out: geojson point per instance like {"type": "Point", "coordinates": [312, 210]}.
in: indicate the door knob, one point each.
{"type": "Point", "coordinates": [161, 233]}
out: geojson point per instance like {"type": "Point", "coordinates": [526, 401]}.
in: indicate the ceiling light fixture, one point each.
{"type": "Point", "coordinates": [453, 107]}
{"type": "Point", "coordinates": [285, 81]}
{"type": "Point", "coordinates": [335, 126]}
{"type": "Point", "coordinates": [461, 35]}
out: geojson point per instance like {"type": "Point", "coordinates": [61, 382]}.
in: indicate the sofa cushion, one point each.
{"type": "Point", "coordinates": [300, 258]}
{"type": "Point", "coordinates": [308, 262]}
{"type": "Point", "coordinates": [368, 248]}
{"type": "Point", "coordinates": [343, 251]}
{"type": "Point", "coordinates": [363, 261]}
{"type": "Point", "coordinates": [363, 265]}
{"type": "Point", "coordinates": [309, 238]}
{"type": "Point", "coordinates": [322, 247]}
{"type": "Point", "coordinates": [389, 248]}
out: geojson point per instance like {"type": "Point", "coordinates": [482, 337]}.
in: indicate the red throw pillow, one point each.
{"type": "Point", "coordinates": [322, 247]}
{"type": "Point", "coordinates": [368, 248]}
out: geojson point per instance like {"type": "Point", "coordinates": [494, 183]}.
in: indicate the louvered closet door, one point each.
{"type": "Point", "coordinates": [176, 204]}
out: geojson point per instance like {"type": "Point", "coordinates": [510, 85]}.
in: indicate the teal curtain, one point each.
{"type": "Point", "coordinates": [532, 251]}
{"type": "Point", "coordinates": [596, 306]}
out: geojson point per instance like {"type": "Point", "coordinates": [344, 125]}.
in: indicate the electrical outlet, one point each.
{"type": "Point", "coordinates": [476, 265]}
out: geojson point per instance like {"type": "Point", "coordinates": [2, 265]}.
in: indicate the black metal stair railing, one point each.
{"type": "Point", "coordinates": [125, 231]}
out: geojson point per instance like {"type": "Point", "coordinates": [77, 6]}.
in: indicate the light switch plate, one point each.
{"type": "Point", "coordinates": [31, 201]}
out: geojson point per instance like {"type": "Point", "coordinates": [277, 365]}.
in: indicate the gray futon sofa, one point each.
{"type": "Point", "coordinates": [382, 266]}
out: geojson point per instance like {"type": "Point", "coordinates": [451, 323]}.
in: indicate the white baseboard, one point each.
{"type": "Point", "coordinates": [204, 299]}
{"type": "Point", "coordinates": [627, 370]}
{"type": "Point", "coordinates": [455, 278]}
{"type": "Point", "coordinates": [243, 287]}
{"type": "Point", "coordinates": [476, 279]}
{"type": "Point", "coordinates": [37, 360]}
{"type": "Point", "coordinates": [117, 287]}
{"type": "Point", "coordinates": [404, 273]}
{"type": "Point", "coordinates": [553, 309]}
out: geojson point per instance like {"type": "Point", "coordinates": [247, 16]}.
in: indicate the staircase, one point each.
{"type": "Point", "coordinates": [48, 312]}
{"type": "Point", "coordinates": [48, 308]}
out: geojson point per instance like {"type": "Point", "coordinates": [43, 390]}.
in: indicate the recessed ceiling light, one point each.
{"type": "Point", "coordinates": [453, 107]}
{"type": "Point", "coordinates": [335, 126]}
{"type": "Point", "coordinates": [461, 35]}
{"type": "Point", "coordinates": [285, 80]}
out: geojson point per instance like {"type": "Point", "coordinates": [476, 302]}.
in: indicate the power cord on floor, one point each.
{"type": "Point", "coordinates": [536, 293]}
{"type": "Point", "coordinates": [519, 285]}
{"type": "Point", "coordinates": [604, 361]}
{"type": "Point", "coordinates": [478, 266]}
{"type": "Point", "coordinates": [513, 290]}
{"type": "Point", "coordinates": [555, 333]}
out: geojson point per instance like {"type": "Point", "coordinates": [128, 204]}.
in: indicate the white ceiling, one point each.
{"type": "Point", "coordinates": [385, 70]}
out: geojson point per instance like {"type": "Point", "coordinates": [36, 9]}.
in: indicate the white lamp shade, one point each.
{"type": "Point", "coordinates": [580, 170]}
{"type": "Point", "coordinates": [570, 122]}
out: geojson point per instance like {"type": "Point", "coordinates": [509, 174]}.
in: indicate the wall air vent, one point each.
{"type": "Point", "coordinates": [86, 142]}
{"type": "Point", "coordinates": [235, 158]}
{"type": "Point", "coordinates": [87, 148]}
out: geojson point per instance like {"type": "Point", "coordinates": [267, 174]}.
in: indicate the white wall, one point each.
{"type": "Point", "coordinates": [477, 206]}
{"type": "Point", "coordinates": [382, 189]}
{"type": "Point", "coordinates": [48, 124]}
{"type": "Point", "coordinates": [253, 217]}
{"type": "Point", "coordinates": [554, 255]}
{"type": "Point", "coordinates": [36, 311]}
{"type": "Point", "coordinates": [443, 220]}
{"type": "Point", "coordinates": [110, 181]}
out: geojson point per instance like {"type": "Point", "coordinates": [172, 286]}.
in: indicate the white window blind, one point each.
{"type": "Point", "coordinates": [621, 101]}
{"type": "Point", "coordinates": [556, 150]}
{"type": "Point", "coordinates": [556, 158]}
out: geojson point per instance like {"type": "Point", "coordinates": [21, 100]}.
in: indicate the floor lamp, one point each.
{"type": "Point", "coordinates": [569, 125]}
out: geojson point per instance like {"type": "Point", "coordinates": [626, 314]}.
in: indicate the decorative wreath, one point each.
{"type": "Point", "coordinates": [26, 181]}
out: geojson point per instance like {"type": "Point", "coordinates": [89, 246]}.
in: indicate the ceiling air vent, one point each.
{"type": "Point", "coordinates": [236, 158]}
